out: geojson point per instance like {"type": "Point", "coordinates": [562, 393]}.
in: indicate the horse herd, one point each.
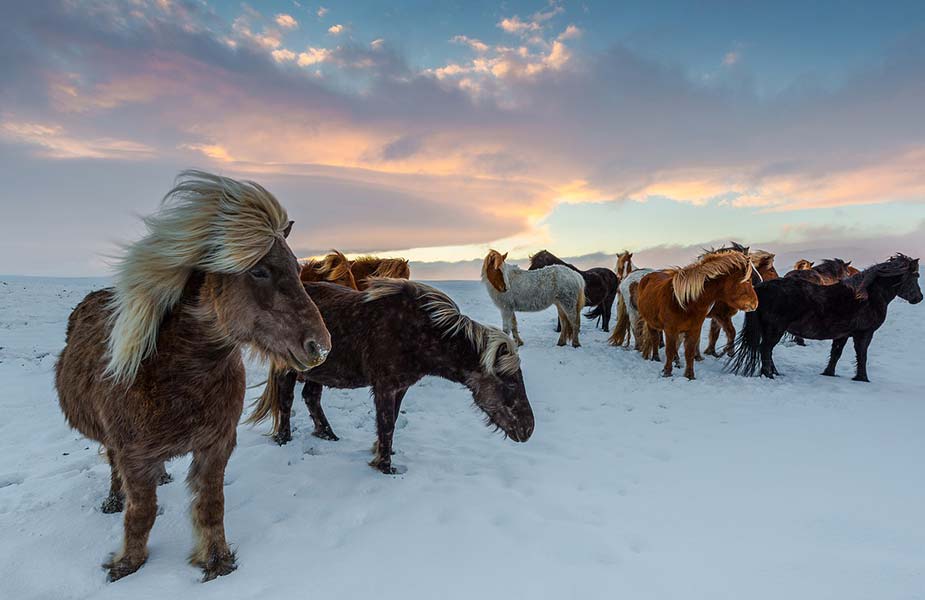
{"type": "Point", "coordinates": [152, 367]}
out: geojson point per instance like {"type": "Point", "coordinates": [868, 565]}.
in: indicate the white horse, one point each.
{"type": "Point", "coordinates": [629, 323]}
{"type": "Point", "coordinates": [513, 289]}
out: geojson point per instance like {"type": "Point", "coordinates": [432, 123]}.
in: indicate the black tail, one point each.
{"type": "Point", "coordinates": [595, 313]}
{"type": "Point", "coordinates": [747, 357]}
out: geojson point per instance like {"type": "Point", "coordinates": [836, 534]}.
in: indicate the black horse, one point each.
{"type": "Point", "coordinates": [600, 287]}
{"type": "Point", "coordinates": [854, 307]}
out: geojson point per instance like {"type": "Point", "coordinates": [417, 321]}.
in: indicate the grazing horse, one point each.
{"type": "Point", "coordinates": [629, 324]}
{"type": "Point", "coordinates": [721, 314]}
{"type": "Point", "coordinates": [828, 272]}
{"type": "Point", "coordinates": [364, 267]}
{"type": "Point", "coordinates": [512, 289]}
{"type": "Point", "coordinates": [600, 286]}
{"type": "Point", "coordinates": [333, 268]}
{"type": "Point", "coordinates": [388, 338]}
{"type": "Point", "coordinates": [855, 307]}
{"type": "Point", "coordinates": [676, 302]}
{"type": "Point", "coordinates": [152, 368]}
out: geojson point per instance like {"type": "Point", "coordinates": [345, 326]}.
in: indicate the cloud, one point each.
{"type": "Point", "coordinates": [52, 141]}
{"type": "Point", "coordinates": [283, 55]}
{"type": "Point", "coordinates": [336, 29]}
{"type": "Point", "coordinates": [321, 12]}
{"type": "Point", "coordinates": [313, 56]}
{"type": "Point", "coordinates": [477, 45]}
{"type": "Point", "coordinates": [286, 21]}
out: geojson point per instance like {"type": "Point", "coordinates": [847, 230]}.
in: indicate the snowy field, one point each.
{"type": "Point", "coordinates": [633, 486]}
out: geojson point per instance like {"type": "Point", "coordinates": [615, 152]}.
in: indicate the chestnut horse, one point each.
{"type": "Point", "coordinates": [333, 268]}
{"type": "Point", "coordinates": [388, 338]}
{"type": "Point", "coordinates": [721, 314]}
{"type": "Point", "coordinates": [364, 267]}
{"type": "Point", "coordinates": [802, 265]}
{"type": "Point", "coordinates": [624, 264]}
{"type": "Point", "coordinates": [152, 368]}
{"type": "Point", "coordinates": [676, 302]}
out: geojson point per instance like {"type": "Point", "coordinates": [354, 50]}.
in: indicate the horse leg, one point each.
{"type": "Point", "coordinates": [385, 428]}
{"type": "Point", "coordinates": [730, 331]}
{"type": "Point", "coordinates": [558, 324]}
{"type": "Point", "coordinates": [514, 331]}
{"type": "Point", "coordinates": [115, 502]}
{"type": "Point", "coordinates": [677, 352]}
{"type": "Point", "coordinates": [837, 346]}
{"type": "Point", "coordinates": [286, 384]}
{"type": "Point", "coordinates": [140, 484]}
{"type": "Point", "coordinates": [671, 352]}
{"type": "Point", "coordinates": [163, 477]}
{"type": "Point", "coordinates": [206, 480]}
{"type": "Point", "coordinates": [564, 331]}
{"type": "Point", "coordinates": [506, 315]}
{"type": "Point", "coordinates": [655, 342]}
{"type": "Point", "coordinates": [399, 396]}
{"type": "Point", "coordinates": [799, 341]}
{"type": "Point", "coordinates": [576, 327]}
{"type": "Point", "coordinates": [861, 342]}
{"type": "Point", "coordinates": [697, 355]}
{"type": "Point", "coordinates": [768, 341]}
{"type": "Point", "coordinates": [691, 342]}
{"type": "Point", "coordinates": [713, 337]}
{"type": "Point", "coordinates": [311, 393]}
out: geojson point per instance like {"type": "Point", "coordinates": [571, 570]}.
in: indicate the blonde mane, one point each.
{"type": "Point", "coordinates": [334, 267]}
{"type": "Point", "coordinates": [445, 315]}
{"type": "Point", "coordinates": [206, 222]}
{"type": "Point", "coordinates": [761, 259]}
{"type": "Point", "coordinates": [689, 282]}
{"type": "Point", "coordinates": [397, 268]}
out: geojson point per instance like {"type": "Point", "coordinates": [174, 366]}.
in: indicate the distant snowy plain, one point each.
{"type": "Point", "coordinates": [633, 486]}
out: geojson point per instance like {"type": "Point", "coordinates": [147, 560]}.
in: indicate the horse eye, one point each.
{"type": "Point", "coordinates": [260, 272]}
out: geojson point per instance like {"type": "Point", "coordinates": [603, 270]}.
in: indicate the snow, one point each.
{"type": "Point", "coordinates": [633, 486]}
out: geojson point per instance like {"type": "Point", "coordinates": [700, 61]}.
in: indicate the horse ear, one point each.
{"type": "Point", "coordinates": [288, 229]}
{"type": "Point", "coordinates": [504, 257]}
{"type": "Point", "coordinates": [847, 263]}
{"type": "Point", "coordinates": [630, 255]}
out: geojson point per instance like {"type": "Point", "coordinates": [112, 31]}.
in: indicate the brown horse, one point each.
{"type": "Point", "coordinates": [676, 302]}
{"type": "Point", "coordinates": [333, 268]}
{"type": "Point", "coordinates": [364, 267]}
{"type": "Point", "coordinates": [152, 368]}
{"type": "Point", "coordinates": [802, 265]}
{"type": "Point", "coordinates": [721, 314]}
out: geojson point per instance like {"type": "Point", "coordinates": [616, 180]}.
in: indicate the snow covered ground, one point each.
{"type": "Point", "coordinates": [633, 486]}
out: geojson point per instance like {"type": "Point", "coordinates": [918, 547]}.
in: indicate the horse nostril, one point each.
{"type": "Point", "coordinates": [315, 350]}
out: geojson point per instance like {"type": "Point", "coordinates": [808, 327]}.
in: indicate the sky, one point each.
{"type": "Point", "coordinates": [435, 130]}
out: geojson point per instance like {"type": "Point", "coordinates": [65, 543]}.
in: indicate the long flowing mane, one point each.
{"type": "Point", "coordinates": [444, 313]}
{"type": "Point", "coordinates": [897, 266]}
{"type": "Point", "coordinates": [835, 268]}
{"type": "Point", "coordinates": [334, 267]}
{"type": "Point", "coordinates": [206, 222]}
{"type": "Point", "coordinates": [689, 282]}
{"type": "Point", "coordinates": [397, 268]}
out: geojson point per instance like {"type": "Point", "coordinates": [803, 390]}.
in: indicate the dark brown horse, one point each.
{"type": "Point", "coordinates": [333, 268]}
{"type": "Point", "coordinates": [676, 302]}
{"type": "Point", "coordinates": [828, 272]}
{"type": "Point", "coordinates": [364, 267]}
{"type": "Point", "coordinates": [152, 368]}
{"type": "Point", "coordinates": [721, 314]}
{"type": "Point", "coordinates": [388, 338]}
{"type": "Point", "coordinates": [600, 286]}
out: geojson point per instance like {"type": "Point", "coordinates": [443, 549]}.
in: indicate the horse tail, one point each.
{"type": "Point", "coordinates": [597, 312]}
{"type": "Point", "coordinates": [621, 330]}
{"type": "Point", "coordinates": [267, 405]}
{"type": "Point", "coordinates": [747, 357]}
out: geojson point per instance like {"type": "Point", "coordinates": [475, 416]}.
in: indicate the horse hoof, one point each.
{"type": "Point", "coordinates": [698, 358]}
{"type": "Point", "coordinates": [828, 373]}
{"type": "Point", "coordinates": [666, 373]}
{"type": "Point", "coordinates": [120, 568]}
{"type": "Point", "coordinates": [860, 378]}
{"type": "Point", "coordinates": [576, 345]}
{"type": "Point", "coordinates": [557, 344]}
{"type": "Point", "coordinates": [165, 478]}
{"type": "Point", "coordinates": [219, 564]}
{"type": "Point", "coordinates": [282, 438]}
{"type": "Point", "coordinates": [325, 434]}
{"type": "Point", "coordinates": [112, 505]}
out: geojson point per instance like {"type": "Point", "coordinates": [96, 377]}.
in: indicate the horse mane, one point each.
{"type": "Point", "coordinates": [802, 265]}
{"type": "Point", "coordinates": [206, 222]}
{"type": "Point", "coordinates": [689, 282]}
{"type": "Point", "coordinates": [492, 273]}
{"type": "Point", "coordinates": [444, 313]}
{"type": "Point", "coordinates": [760, 259]}
{"type": "Point", "coordinates": [898, 265]}
{"type": "Point", "coordinates": [548, 258]}
{"type": "Point", "coordinates": [397, 268]}
{"type": "Point", "coordinates": [333, 267]}
{"type": "Point", "coordinates": [833, 267]}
